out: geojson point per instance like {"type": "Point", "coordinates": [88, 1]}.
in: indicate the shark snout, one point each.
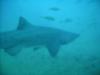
{"type": "Point", "coordinates": [69, 38]}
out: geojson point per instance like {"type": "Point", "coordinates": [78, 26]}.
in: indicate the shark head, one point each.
{"type": "Point", "coordinates": [68, 37]}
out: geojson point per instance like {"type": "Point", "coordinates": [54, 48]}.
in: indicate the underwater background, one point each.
{"type": "Point", "coordinates": [80, 57]}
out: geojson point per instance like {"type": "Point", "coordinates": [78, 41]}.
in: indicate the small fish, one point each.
{"type": "Point", "coordinates": [54, 9]}
{"type": "Point", "coordinates": [93, 1]}
{"type": "Point", "coordinates": [79, 1]}
{"type": "Point", "coordinates": [67, 20]}
{"type": "Point", "coordinates": [49, 18]}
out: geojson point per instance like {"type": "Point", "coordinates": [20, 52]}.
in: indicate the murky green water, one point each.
{"type": "Point", "coordinates": [80, 57]}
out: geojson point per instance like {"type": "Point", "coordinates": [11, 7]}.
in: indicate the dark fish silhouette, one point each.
{"type": "Point", "coordinates": [50, 18]}
{"type": "Point", "coordinates": [54, 9]}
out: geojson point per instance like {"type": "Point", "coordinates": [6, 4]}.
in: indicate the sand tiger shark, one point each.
{"type": "Point", "coordinates": [28, 35]}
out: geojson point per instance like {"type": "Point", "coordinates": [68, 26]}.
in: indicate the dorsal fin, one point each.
{"type": "Point", "coordinates": [23, 24]}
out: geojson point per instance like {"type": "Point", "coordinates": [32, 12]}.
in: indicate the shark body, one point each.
{"type": "Point", "coordinates": [28, 35]}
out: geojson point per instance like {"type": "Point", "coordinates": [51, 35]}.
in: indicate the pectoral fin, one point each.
{"type": "Point", "coordinates": [13, 51]}
{"type": "Point", "coordinates": [53, 48]}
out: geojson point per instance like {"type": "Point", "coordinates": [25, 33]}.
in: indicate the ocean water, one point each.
{"type": "Point", "coordinates": [80, 57]}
